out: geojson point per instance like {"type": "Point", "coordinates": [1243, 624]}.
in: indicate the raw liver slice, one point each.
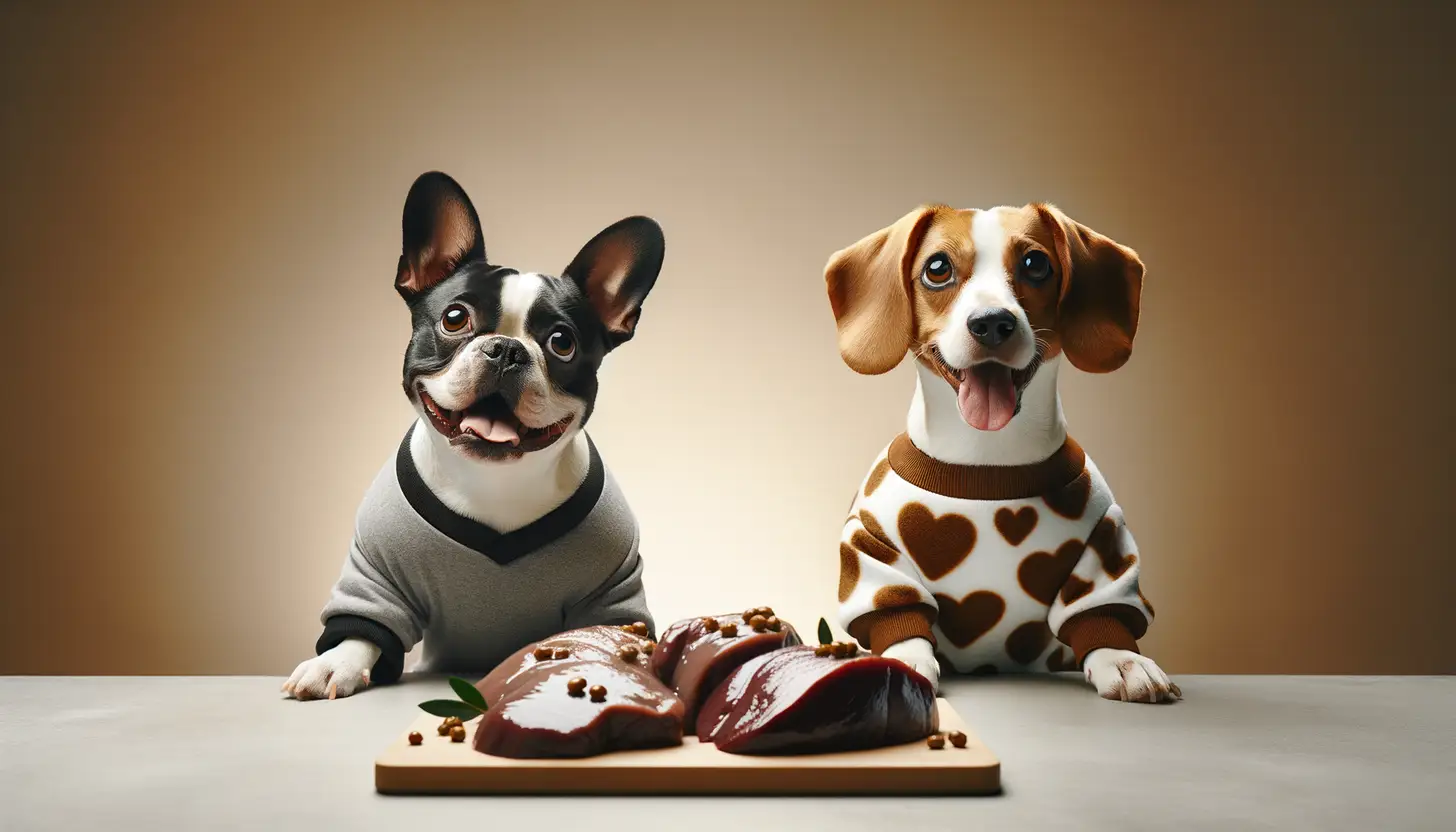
{"type": "Point", "coordinates": [794, 702]}
{"type": "Point", "coordinates": [599, 643]}
{"type": "Point", "coordinates": [694, 661]}
{"type": "Point", "coordinates": [532, 714]}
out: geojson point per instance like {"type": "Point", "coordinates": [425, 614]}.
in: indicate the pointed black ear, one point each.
{"type": "Point", "coordinates": [617, 269]}
{"type": "Point", "coordinates": [441, 231]}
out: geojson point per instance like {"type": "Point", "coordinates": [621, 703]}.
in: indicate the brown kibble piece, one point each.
{"type": "Point", "coordinates": [457, 734]}
{"type": "Point", "coordinates": [450, 722]}
{"type": "Point", "coordinates": [648, 647]}
{"type": "Point", "coordinates": [628, 654]}
{"type": "Point", "coordinates": [823, 650]}
{"type": "Point", "coordinates": [773, 623]}
{"type": "Point", "coordinates": [747, 614]}
{"type": "Point", "coordinates": [640, 628]}
{"type": "Point", "coordinates": [729, 630]}
{"type": "Point", "coordinates": [576, 686]}
{"type": "Point", "coordinates": [710, 624]}
{"type": "Point", "coordinates": [758, 623]}
{"type": "Point", "coordinates": [561, 653]}
{"type": "Point", "coordinates": [598, 693]}
{"type": "Point", "coordinates": [416, 738]}
{"type": "Point", "coordinates": [957, 739]}
{"type": "Point", "coordinates": [936, 741]}
{"type": "Point", "coordinates": [542, 653]}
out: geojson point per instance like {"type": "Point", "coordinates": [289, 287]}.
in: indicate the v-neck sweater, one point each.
{"type": "Point", "coordinates": [419, 572]}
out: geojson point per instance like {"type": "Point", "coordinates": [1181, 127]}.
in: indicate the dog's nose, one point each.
{"type": "Point", "coordinates": [504, 353]}
{"type": "Point", "coordinates": [992, 329]}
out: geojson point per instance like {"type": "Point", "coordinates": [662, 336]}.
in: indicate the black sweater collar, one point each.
{"type": "Point", "coordinates": [501, 547]}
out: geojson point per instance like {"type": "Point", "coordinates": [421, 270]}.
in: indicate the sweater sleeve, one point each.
{"type": "Point", "coordinates": [1100, 604]}
{"type": "Point", "coordinates": [620, 599]}
{"type": "Point", "coordinates": [882, 599]}
{"type": "Point", "coordinates": [366, 603]}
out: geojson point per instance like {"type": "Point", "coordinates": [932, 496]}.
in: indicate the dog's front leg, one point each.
{"type": "Point", "coordinates": [1128, 676]}
{"type": "Point", "coordinates": [339, 671]}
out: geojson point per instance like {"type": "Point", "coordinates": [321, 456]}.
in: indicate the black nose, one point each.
{"type": "Point", "coordinates": [992, 328]}
{"type": "Point", "coordinates": [504, 353]}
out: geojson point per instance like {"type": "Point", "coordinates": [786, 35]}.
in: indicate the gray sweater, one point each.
{"type": "Point", "coordinates": [417, 570]}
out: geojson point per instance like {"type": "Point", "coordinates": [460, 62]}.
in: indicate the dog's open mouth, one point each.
{"type": "Point", "coordinates": [490, 427]}
{"type": "Point", "coordinates": [989, 393]}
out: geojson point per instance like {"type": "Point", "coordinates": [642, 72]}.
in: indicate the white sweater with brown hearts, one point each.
{"type": "Point", "coordinates": [1002, 568]}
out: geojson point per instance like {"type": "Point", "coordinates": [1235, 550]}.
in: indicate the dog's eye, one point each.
{"type": "Point", "coordinates": [1034, 267]}
{"type": "Point", "coordinates": [456, 318]}
{"type": "Point", "coordinates": [562, 344]}
{"type": "Point", "coordinates": [938, 272]}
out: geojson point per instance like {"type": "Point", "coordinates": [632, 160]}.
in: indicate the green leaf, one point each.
{"type": "Point", "coordinates": [467, 693]}
{"type": "Point", "coordinates": [451, 707]}
{"type": "Point", "coordinates": [826, 636]}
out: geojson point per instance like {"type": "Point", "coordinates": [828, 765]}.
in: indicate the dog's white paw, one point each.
{"type": "Point", "coordinates": [920, 655]}
{"type": "Point", "coordinates": [338, 672]}
{"type": "Point", "coordinates": [1128, 677]}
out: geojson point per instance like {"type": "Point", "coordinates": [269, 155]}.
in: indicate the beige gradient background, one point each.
{"type": "Point", "coordinates": [201, 218]}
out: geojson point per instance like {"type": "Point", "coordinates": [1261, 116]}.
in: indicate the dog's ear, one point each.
{"type": "Point", "coordinates": [869, 291]}
{"type": "Point", "coordinates": [1102, 284]}
{"type": "Point", "coordinates": [441, 231]}
{"type": "Point", "coordinates": [616, 269]}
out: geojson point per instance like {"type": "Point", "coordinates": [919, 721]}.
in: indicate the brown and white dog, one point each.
{"type": "Point", "coordinates": [984, 537]}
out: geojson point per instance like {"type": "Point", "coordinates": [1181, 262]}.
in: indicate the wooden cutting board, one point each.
{"type": "Point", "coordinates": [440, 766]}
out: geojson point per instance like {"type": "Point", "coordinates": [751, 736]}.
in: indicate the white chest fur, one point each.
{"type": "Point", "coordinates": [502, 495]}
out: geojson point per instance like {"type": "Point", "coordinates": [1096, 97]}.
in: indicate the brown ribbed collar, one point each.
{"type": "Point", "coordinates": [986, 482]}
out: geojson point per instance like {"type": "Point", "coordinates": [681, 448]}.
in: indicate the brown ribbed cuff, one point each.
{"type": "Point", "coordinates": [986, 482]}
{"type": "Point", "coordinates": [1095, 628]}
{"type": "Point", "coordinates": [882, 628]}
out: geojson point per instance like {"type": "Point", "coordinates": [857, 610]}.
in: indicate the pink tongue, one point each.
{"type": "Point", "coordinates": [497, 430]}
{"type": "Point", "coordinates": [987, 397]}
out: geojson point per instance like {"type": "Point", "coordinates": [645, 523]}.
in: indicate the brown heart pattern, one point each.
{"type": "Point", "coordinates": [898, 595]}
{"type": "Point", "coordinates": [877, 476]}
{"type": "Point", "coordinates": [1104, 541]}
{"type": "Point", "coordinates": [848, 571]}
{"type": "Point", "coordinates": [872, 525]}
{"type": "Point", "coordinates": [1027, 641]}
{"type": "Point", "coordinates": [1074, 588]}
{"type": "Point", "coordinates": [1017, 525]}
{"type": "Point", "coordinates": [1042, 573]}
{"type": "Point", "coordinates": [872, 539]}
{"type": "Point", "coordinates": [1070, 501]}
{"type": "Point", "coordinates": [968, 619]}
{"type": "Point", "coordinates": [937, 544]}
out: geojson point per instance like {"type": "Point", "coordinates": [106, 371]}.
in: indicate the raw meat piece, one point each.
{"type": "Point", "coordinates": [600, 643]}
{"type": "Point", "coordinates": [793, 701]}
{"type": "Point", "coordinates": [543, 700]}
{"type": "Point", "coordinates": [694, 659]}
{"type": "Point", "coordinates": [539, 715]}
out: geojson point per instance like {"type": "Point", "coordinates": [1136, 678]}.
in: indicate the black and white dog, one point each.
{"type": "Point", "coordinates": [495, 523]}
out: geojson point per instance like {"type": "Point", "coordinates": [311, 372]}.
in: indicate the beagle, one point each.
{"type": "Point", "coordinates": [983, 538]}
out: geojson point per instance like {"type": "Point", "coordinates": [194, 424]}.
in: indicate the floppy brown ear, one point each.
{"type": "Point", "coordinates": [869, 292]}
{"type": "Point", "coordinates": [1102, 285]}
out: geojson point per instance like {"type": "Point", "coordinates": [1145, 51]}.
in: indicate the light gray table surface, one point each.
{"type": "Point", "coordinates": [1241, 752]}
